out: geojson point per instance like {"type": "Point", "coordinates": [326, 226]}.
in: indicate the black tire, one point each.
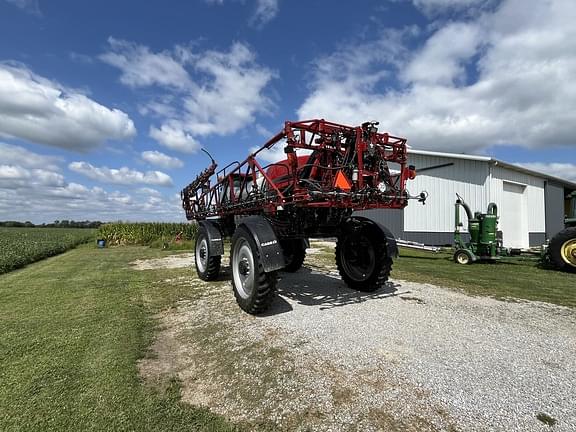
{"type": "Point", "coordinates": [563, 250]}
{"type": "Point", "coordinates": [462, 256]}
{"type": "Point", "coordinates": [207, 267]}
{"type": "Point", "coordinates": [294, 254]}
{"type": "Point", "coordinates": [362, 259]}
{"type": "Point", "coordinates": [253, 288]}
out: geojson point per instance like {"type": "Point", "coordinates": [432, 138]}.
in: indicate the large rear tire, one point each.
{"type": "Point", "coordinates": [294, 254]}
{"type": "Point", "coordinates": [563, 250]}
{"type": "Point", "coordinates": [207, 267]}
{"type": "Point", "coordinates": [362, 259]}
{"type": "Point", "coordinates": [253, 288]}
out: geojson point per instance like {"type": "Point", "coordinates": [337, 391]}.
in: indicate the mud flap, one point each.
{"type": "Point", "coordinates": [271, 253]}
{"type": "Point", "coordinates": [216, 246]}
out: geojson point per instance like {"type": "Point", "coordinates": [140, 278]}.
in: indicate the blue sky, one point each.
{"type": "Point", "coordinates": [105, 105]}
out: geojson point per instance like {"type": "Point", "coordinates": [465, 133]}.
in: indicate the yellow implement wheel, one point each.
{"type": "Point", "coordinates": [563, 249]}
{"type": "Point", "coordinates": [568, 252]}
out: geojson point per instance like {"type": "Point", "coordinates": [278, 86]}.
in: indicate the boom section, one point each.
{"type": "Point", "coordinates": [325, 165]}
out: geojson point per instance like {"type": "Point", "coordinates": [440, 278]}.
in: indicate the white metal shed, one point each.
{"type": "Point", "coordinates": [530, 204]}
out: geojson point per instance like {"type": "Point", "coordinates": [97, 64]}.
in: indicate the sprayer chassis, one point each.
{"type": "Point", "coordinates": [271, 211]}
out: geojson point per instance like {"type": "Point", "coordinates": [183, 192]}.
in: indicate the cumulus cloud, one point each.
{"type": "Point", "coordinates": [141, 68]}
{"type": "Point", "coordinates": [173, 136]}
{"type": "Point", "coordinates": [35, 109]}
{"type": "Point", "coordinates": [30, 6]}
{"type": "Point", "coordinates": [502, 78]}
{"type": "Point", "coordinates": [210, 92]}
{"type": "Point", "coordinates": [162, 160]}
{"type": "Point", "coordinates": [43, 196]}
{"type": "Point", "coordinates": [265, 11]}
{"type": "Point", "coordinates": [14, 176]}
{"type": "Point", "coordinates": [565, 171]}
{"type": "Point", "coordinates": [123, 176]}
{"type": "Point", "coordinates": [17, 155]}
{"type": "Point", "coordinates": [432, 7]}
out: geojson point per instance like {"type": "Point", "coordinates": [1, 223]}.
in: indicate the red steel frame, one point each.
{"type": "Point", "coordinates": [247, 188]}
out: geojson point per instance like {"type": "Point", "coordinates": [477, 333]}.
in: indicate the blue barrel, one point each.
{"type": "Point", "coordinates": [101, 243]}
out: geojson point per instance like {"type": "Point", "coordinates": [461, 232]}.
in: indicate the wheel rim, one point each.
{"type": "Point", "coordinates": [462, 258]}
{"type": "Point", "coordinates": [568, 252]}
{"type": "Point", "coordinates": [243, 268]}
{"type": "Point", "coordinates": [202, 255]}
{"type": "Point", "coordinates": [358, 258]}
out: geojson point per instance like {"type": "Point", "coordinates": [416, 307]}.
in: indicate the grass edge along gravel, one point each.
{"type": "Point", "coordinates": [511, 279]}
{"type": "Point", "coordinates": [73, 329]}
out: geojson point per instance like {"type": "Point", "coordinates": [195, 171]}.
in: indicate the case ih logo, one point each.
{"type": "Point", "coordinates": [268, 243]}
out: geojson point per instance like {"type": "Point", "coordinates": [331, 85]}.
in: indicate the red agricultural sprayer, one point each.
{"type": "Point", "coordinates": [329, 171]}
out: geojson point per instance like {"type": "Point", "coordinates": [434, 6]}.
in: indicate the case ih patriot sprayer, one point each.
{"type": "Point", "coordinates": [271, 211]}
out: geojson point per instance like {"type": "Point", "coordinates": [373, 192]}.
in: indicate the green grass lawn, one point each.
{"type": "Point", "coordinates": [72, 329]}
{"type": "Point", "coordinates": [517, 277]}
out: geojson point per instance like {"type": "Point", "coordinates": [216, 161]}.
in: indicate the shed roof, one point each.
{"type": "Point", "coordinates": [495, 162]}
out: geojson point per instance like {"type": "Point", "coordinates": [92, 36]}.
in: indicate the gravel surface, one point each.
{"type": "Point", "coordinates": [408, 357]}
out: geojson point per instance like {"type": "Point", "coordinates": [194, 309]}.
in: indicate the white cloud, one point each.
{"type": "Point", "coordinates": [266, 10]}
{"type": "Point", "coordinates": [232, 96]}
{"type": "Point", "coordinates": [16, 155]}
{"type": "Point", "coordinates": [149, 191]}
{"type": "Point", "coordinates": [123, 176]}
{"type": "Point", "coordinates": [518, 87]}
{"type": "Point", "coordinates": [15, 176]}
{"type": "Point", "coordinates": [140, 67]}
{"type": "Point", "coordinates": [30, 6]}
{"type": "Point", "coordinates": [173, 136]}
{"type": "Point", "coordinates": [208, 93]}
{"type": "Point", "coordinates": [12, 172]}
{"type": "Point", "coordinates": [44, 197]}
{"type": "Point", "coordinates": [158, 158]}
{"type": "Point", "coordinates": [565, 171]}
{"type": "Point", "coordinates": [263, 132]}
{"type": "Point", "coordinates": [444, 55]}
{"type": "Point", "coordinates": [438, 7]}
{"type": "Point", "coordinates": [35, 109]}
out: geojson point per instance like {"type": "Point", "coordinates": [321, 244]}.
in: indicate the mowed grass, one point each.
{"type": "Point", "coordinates": [511, 278]}
{"type": "Point", "coordinates": [72, 329]}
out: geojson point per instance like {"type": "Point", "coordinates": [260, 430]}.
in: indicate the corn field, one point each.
{"type": "Point", "coordinates": [120, 233]}
{"type": "Point", "coordinates": [21, 246]}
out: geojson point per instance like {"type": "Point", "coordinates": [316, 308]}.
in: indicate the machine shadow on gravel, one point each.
{"type": "Point", "coordinates": [312, 288]}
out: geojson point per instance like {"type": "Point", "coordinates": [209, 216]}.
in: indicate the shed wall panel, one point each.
{"type": "Point", "coordinates": [467, 178]}
{"type": "Point", "coordinates": [554, 208]}
{"type": "Point", "coordinates": [390, 218]}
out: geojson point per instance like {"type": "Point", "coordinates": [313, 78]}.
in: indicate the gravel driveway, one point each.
{"type": "Point", "coordinates": [408, 357]}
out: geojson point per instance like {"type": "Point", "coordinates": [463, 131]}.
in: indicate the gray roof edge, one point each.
{"type": "Point", "coordinates": [533, 173]}
{"type": "Point", "coordinates": [494, 162]}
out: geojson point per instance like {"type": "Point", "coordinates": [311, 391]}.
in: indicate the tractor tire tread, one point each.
{"type": "Point", "coordinates": [298, 257]}
{"type": "Point", "coordinates": [379, 277]}
{"type": "Point", "coordinates": [555, 249]}
{"type": "Point", "coordinates": [265, 289]}
{"type": "Point", "coordinates": [212, 265]}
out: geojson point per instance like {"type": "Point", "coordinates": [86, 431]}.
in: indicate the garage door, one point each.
{"type": "Point", "coordinates": [513, 216]}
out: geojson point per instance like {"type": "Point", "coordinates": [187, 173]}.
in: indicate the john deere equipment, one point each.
{"type": "Point", "coordinates": [562, 247]}
{"type": "Point", "coordinates": [484, 244]}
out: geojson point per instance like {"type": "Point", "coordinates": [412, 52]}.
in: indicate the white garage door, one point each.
{"type": "Point", "coordinates": [513, 217]}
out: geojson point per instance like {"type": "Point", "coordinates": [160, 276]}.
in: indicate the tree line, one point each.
{"type": "Point", "coordinates": [56, 224]}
